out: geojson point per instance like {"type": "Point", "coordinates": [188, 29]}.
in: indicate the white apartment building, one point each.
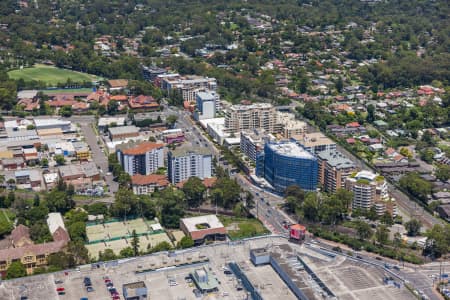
{"type": "Point", "coordinates": [206, 106]}
{"type": "Point", "coordinates": [315, 142]}
{"type": "Point", "coordinates": [370, 189]}
{"type": "Point", "coordinates": [254, 116]}
{"type": "Point", "coordinates": [189, 86]}
{"type": "Point", "coordinates": [185, 162]}
{"type": "Point", "coordinates": [144, 158]}
{"type": "Point", "coordinates": [252, 142]}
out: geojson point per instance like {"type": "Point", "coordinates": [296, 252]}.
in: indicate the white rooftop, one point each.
{"type": "Point", "coordinates": [364, 174]}
{"type": "Point", "coordinates": [251, 106]}
{"type": "Point", "coordinates": [51, 177]}
{"type": "Point", "coordinates": [55, 220]}
{"type": "Point", "coordinates": [211, 220]}
{"type": "Point", "coordinates": [48, 122]}
{"type": "Point", "coordinates": [105, 121]}
{"type": "Point", "coordinates": [205, 96]}
{"type": "Point", "coordinates": [290, 149]}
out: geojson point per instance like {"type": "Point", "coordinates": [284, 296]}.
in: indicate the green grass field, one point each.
{"type": "Point", "coordinates": [50, 75]}
{"type": "Point", "coordinates": [6, 224]}
{"type": "Point", "coordinates": [244, 228]}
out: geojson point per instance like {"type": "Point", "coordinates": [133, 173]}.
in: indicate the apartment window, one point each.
{"type": "Point", "coordinates": [28, 259]}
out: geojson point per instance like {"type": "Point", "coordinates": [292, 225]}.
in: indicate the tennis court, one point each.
{"type": "Point", "coordinates": [117, 245]}
{"type": "Point", "coordinates": [119, 229]}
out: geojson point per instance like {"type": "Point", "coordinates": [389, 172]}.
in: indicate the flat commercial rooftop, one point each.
{"type": "Point", "coordinates": [211, 220]}
{"type": "Point", "coordinates": [164, 275]}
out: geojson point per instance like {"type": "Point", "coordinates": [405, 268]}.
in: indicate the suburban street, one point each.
{"type": "Point", "coordinates": [98, 156]}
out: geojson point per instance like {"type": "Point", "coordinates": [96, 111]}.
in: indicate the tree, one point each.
{"type": "Point", "coordinates": [66, 111]}
{"type": "Point", "coordinates": [127, 252]}
{"type": "Point", "coordinates": [171, 120]}
{"type": "Point", "coordinates": [310, 207]}
{"type": "Point", "coordinates": [372, 213]}
{"type": "Point", "coordinates": [163, 246]}
{"type": "Point", "coordinates": [382, 234]}
{"type": "Point", "coordinates": [239, 210]}
{"type": "Point", "coordinates": [344, 196]}
{"type": "Point", "coordinates": [438, 241]}
{"type": "Point", "coordinates": [78, 251]}
{"type": "Point", "coordinates": [194, 190]}
{"type": "Point", "coordinates": [185, 242]}
{"type": "Point", "coordinates": [172, 207]}
{"type": "Point", "coordinates": [427, 155]}
{"type": "Point", "coordinates": [249, 200]}
{"type": "Point", "coordinates": [443, 172]}
{"type": "Point", "coordinates": [59, 201]}
{"type": "Point", "coordinates": [40, 233]}
{"type": "Point", "coordinates": [61, 260]}
{"type": "Point", "coordinates": [413, 227]}
{"type": "Point", "coordinates": [106, 255]}
{"type": "Point", "coordinates": [363, 230]}
{"type": "Point", "coordinates": [97, 209]}
{"type": "Point", "coordinates": [77, 231]}
{"type": "Point", "coordinates": [386, 219]}
{"type": "Point", "coordinates": [294, 196]}
{"type": "Point", "coordinates": [226, 192]}
{"type": "Point", "coordinates": [59, 159]}
{"type": "Point", "coordinates": [15, 270]}
{"type": "Point", "coordinates": [370, 113]}
{"type": "Point", "coordinates": [112, 107]}
{"type": "Point", "coordinates": [339, 84]}
{"type": "Point", "coordinates": [124, 204]}
{"type": "Point", "coordinates": [124, 180]}
{"type": "Point", "coordinates": [36, 200]}
{"type": "Point", "coordinates": [397, 241]}
{"type": "Point", "coordinates": [135, 243]}
{"type": "Point", "coordinates": [416, 186]}
{"type": "Point", "coordinates": [405, 152]}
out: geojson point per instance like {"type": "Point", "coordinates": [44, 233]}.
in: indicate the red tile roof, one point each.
{"type": "Point", "coordinates": [20, 232]}
{"type": "Point", "coordinates": [39, 249]}
{"type": "Point", "coordinates": [61, 103]}
{"type": "Point", "coordinates": [143, 101]}
{"type": "Point", "coordinates": [207, 182]}
{"type": "Point", "coordinates": [353, 124]}
{"type": "Point", "coordinates": [115, 83]}
{"type": "Point", "coordinates": [160, 180]}
{"type": "Point", "coordinates": [142, 148]}
{"type": "Point", "coordinates": [119, 98]}
{"type": "Point", "coordinates": [61, 235]}
{"type": "Point", "coordinates": [79, 106]}
{"type": "Point", "coordinates": [200, 234]}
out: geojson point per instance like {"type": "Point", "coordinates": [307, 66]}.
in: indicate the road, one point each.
{"type": "Point", "coordinates": [421, 278]}
{"type": "Point", "coordinates": [266, 210]}
{"type": "Point", "coordinates": [98, 155]}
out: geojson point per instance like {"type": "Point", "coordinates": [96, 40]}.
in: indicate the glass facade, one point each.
{"type": "Point", "coordinates": [284, 169]}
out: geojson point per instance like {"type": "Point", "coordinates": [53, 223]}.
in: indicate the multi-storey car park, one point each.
{"type": "Point", "coordinates": [267, 268]}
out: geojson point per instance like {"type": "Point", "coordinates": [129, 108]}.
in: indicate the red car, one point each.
{"type": "Point", "coordinates": [116, 297]}
{"type": "Point", "coordinates": [60, 289]}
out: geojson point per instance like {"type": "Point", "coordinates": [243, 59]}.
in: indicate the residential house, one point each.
{"type": "Point", "coordinates": [147, 184]}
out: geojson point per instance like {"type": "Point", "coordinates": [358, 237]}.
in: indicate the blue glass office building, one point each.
{"type": "Point", "coordinates": [285, 163]}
